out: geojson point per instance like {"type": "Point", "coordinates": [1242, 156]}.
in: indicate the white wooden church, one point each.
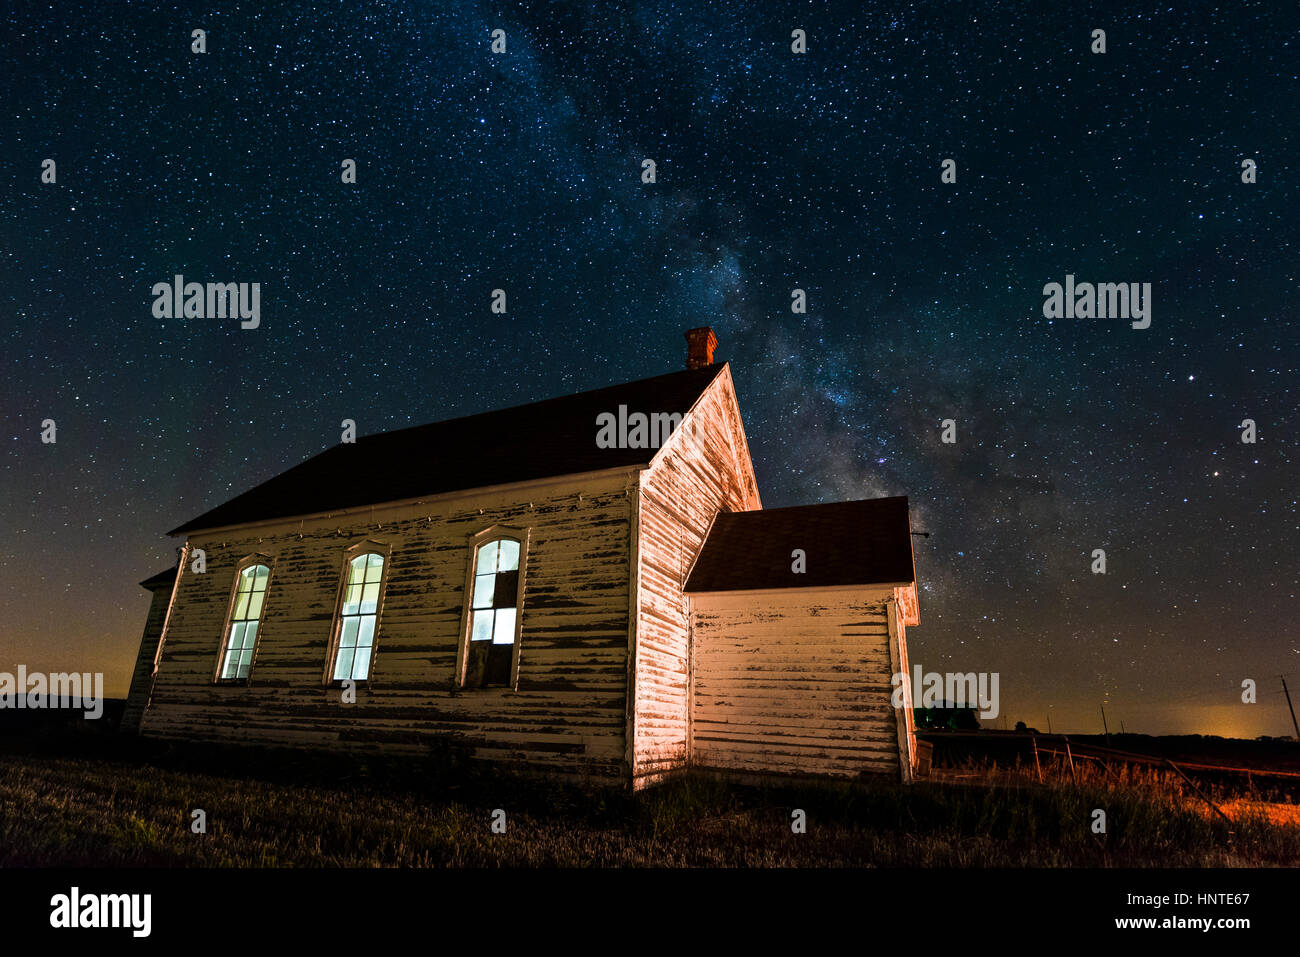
{"type": "Point", "coordinates": [620, 610]}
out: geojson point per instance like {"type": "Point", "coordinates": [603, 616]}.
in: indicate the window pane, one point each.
{"type": "Point", "coordinates": [352, 600]}
{"type": "Point", "coordinates": [366, 636]}
{"type": "Point", "coordinates": [241, 605]}
{"type": "Point", "coordinates": [262, 572]}
{"type": "Point", "coordinates": [487, 559]}
{"type": "Point", "coordinates": [504, 632]}
{"type": "Point", "coordinates": [476, 657]}
{"type": "Point", "coordinates": [343, 667]}
{"type": "Point", "coordinates": [508, 555]}
{"type": "Point", "coordinates": [496, 671]}
{"type": "Point", "coordinates": [361, 664]}
{"type": "Point", "coordinates": [255, 604]}
{"type": "Point", "coordinates": [483, 588]}
{"type": "Point", "coordinates": [358, 612]}
{"type": "Point", "coordinates": [250, 633]}
{"type": "Point", "coordinates": [506, 594]}
{"type": "Point", "coordinates": [481, 626]}
{"type": "Point", "coordinates": [245, 659]}
{"type": "Point", "coordinates": [348, 638]}
{"type": "Point", "coordinates": [236, 639]}
{"type": "Point", "coordinates": [232, 662]}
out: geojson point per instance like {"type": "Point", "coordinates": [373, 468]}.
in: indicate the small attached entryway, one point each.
{"type": "Point", "coordinates": [791, 684]}
{"type": "Point", "coordinates": [798, 620]}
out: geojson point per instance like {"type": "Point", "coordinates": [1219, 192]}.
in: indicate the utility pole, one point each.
{"type": "Point", "coordinates": [1049, 721]}
{"type": "Point", "coordinates": [1287, 692]}
{"type": "Point", "coordinates": [1122, 729]}
{"type": "Point", "coordinates": [1104, 725]}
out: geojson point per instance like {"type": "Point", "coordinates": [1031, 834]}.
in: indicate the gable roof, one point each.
{"type": "Point", "coordinates": [867, 542]}
{"type": "Point", "coordinates": [523, 443]}
{"type": "Point", "coordinates": [162, 579]}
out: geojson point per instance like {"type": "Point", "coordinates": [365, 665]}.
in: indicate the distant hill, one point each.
{"type": "Point", "coordinates": [19, 720]}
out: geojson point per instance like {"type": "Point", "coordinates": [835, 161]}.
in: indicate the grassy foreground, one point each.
{"type": "Point", "coordinates": [114, 805]}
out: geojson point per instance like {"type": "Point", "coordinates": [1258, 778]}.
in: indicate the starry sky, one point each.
{"type": "Point", "coordinates": [775, 171]}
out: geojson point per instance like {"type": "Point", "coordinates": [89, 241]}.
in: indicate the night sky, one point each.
{"type": "Point", "coordinates": [775, 171]}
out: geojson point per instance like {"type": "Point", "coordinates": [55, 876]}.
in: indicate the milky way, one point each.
{"type": "Point", "coordinates": [774, 171]}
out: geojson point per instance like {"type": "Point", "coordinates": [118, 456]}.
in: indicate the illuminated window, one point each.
{"type": "Point", "coordinates": [245, 614]}
{"type": "Point", "coordinates": [494, 614]}
{"type": "Point", "coordinates": [354, 632]}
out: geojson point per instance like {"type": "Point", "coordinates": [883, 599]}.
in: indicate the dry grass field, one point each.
{"type": "Point", "coordinates": [118, 803]}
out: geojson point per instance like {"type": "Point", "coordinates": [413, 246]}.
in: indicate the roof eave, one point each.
{"type": "Point", "coordinates": [190, 527]}
{"type": "Point", "coordinates": [154, 582]}
{"type": "Point", "coordinates": [741, 592]}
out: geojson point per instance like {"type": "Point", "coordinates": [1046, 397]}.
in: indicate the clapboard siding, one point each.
{"type": "Point", "coordinates": [705, 467]}
{"type": "Point", "coordinates": [569, 710]}
{"type": "Point", "coordinates": [793, 682]}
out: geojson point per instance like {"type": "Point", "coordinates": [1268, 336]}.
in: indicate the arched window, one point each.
{"type": "Point", "coordinates": [354, 632]}
{"type": "Point", "coordinates": [493, 616]}
{"type": "Point", "coordinates": [245, 614]}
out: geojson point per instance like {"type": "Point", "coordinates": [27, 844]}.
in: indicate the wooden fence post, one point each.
{"type": "Point", "coordinates": [1202, 796]}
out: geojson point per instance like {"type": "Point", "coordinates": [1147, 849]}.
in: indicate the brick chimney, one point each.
{"type": "Point", "coordinates": [700, 344]}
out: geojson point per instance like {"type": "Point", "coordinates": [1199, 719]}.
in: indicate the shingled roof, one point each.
{"type": "Point", "coordinates": [540, 440]}
{"type": "Point", "coordinates": [868, 542]}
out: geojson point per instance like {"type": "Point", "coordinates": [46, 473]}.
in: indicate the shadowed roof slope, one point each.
{"type": "Point", "coordinates": [540, 440]}
{"type": "Point", "coordinates": [162, 579]}
{"type": "Point", "coordinates": [868, 542]}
